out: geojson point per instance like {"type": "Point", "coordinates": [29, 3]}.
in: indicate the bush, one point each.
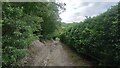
{"type": "Point", "coordinates": [17, 32]}
{"type": "Point", "coordinates": [22, 22]}
{"type": "Point", "coordinates": [98, 37]}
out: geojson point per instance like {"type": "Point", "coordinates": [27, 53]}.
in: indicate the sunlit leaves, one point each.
{"type": "Point", "coordinates": [22, 23]}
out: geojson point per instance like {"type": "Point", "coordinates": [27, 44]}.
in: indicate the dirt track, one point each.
{"type": "Point", "coordinates": [52, 53]}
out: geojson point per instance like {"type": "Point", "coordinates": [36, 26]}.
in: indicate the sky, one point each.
{"type": "Point", "coordinates": [76, 10]}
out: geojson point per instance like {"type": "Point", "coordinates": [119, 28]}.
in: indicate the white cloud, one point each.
{"type": "Point", "coordinates": [77, 10]}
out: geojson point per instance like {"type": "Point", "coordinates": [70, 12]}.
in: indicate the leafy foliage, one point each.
{"type": "Point", "coordinates": [98, 37]}
{"type": "Point", "coordinates": [22, 23]}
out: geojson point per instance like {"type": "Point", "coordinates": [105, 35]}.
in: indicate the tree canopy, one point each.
{"type": "Point", "coordinates": [24, 22]}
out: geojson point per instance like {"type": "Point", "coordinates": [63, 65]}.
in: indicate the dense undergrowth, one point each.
{"type": "Point", "coordinates": [23, 22]}
{"type": "Point", "coordinates": [98, 37]}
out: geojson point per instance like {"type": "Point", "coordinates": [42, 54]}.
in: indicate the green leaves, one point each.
{"type": "Point", "coordinates": [22, 23]}
{"type": "Point", "coordinates": [97, 36]}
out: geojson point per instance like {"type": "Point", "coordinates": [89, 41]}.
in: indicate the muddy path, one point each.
{"type": "Point", "coordinates": [53, 53]}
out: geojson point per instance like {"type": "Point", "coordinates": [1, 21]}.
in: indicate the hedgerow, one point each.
{"type": "Point", "coordinates": [23, 22]}
{"type": "Point", "coordinates": [98, 37]}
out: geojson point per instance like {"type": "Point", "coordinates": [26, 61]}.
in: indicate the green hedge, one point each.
{"type": "Point", "coordinates": [23, 22]}
{"type": "Point", "coordinates": [98, 37]}
{"type": "Point", "coordinates": [17, 31]}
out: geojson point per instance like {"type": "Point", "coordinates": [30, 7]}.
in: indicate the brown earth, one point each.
{"type": "Point", "coordinates": [52, 53]}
